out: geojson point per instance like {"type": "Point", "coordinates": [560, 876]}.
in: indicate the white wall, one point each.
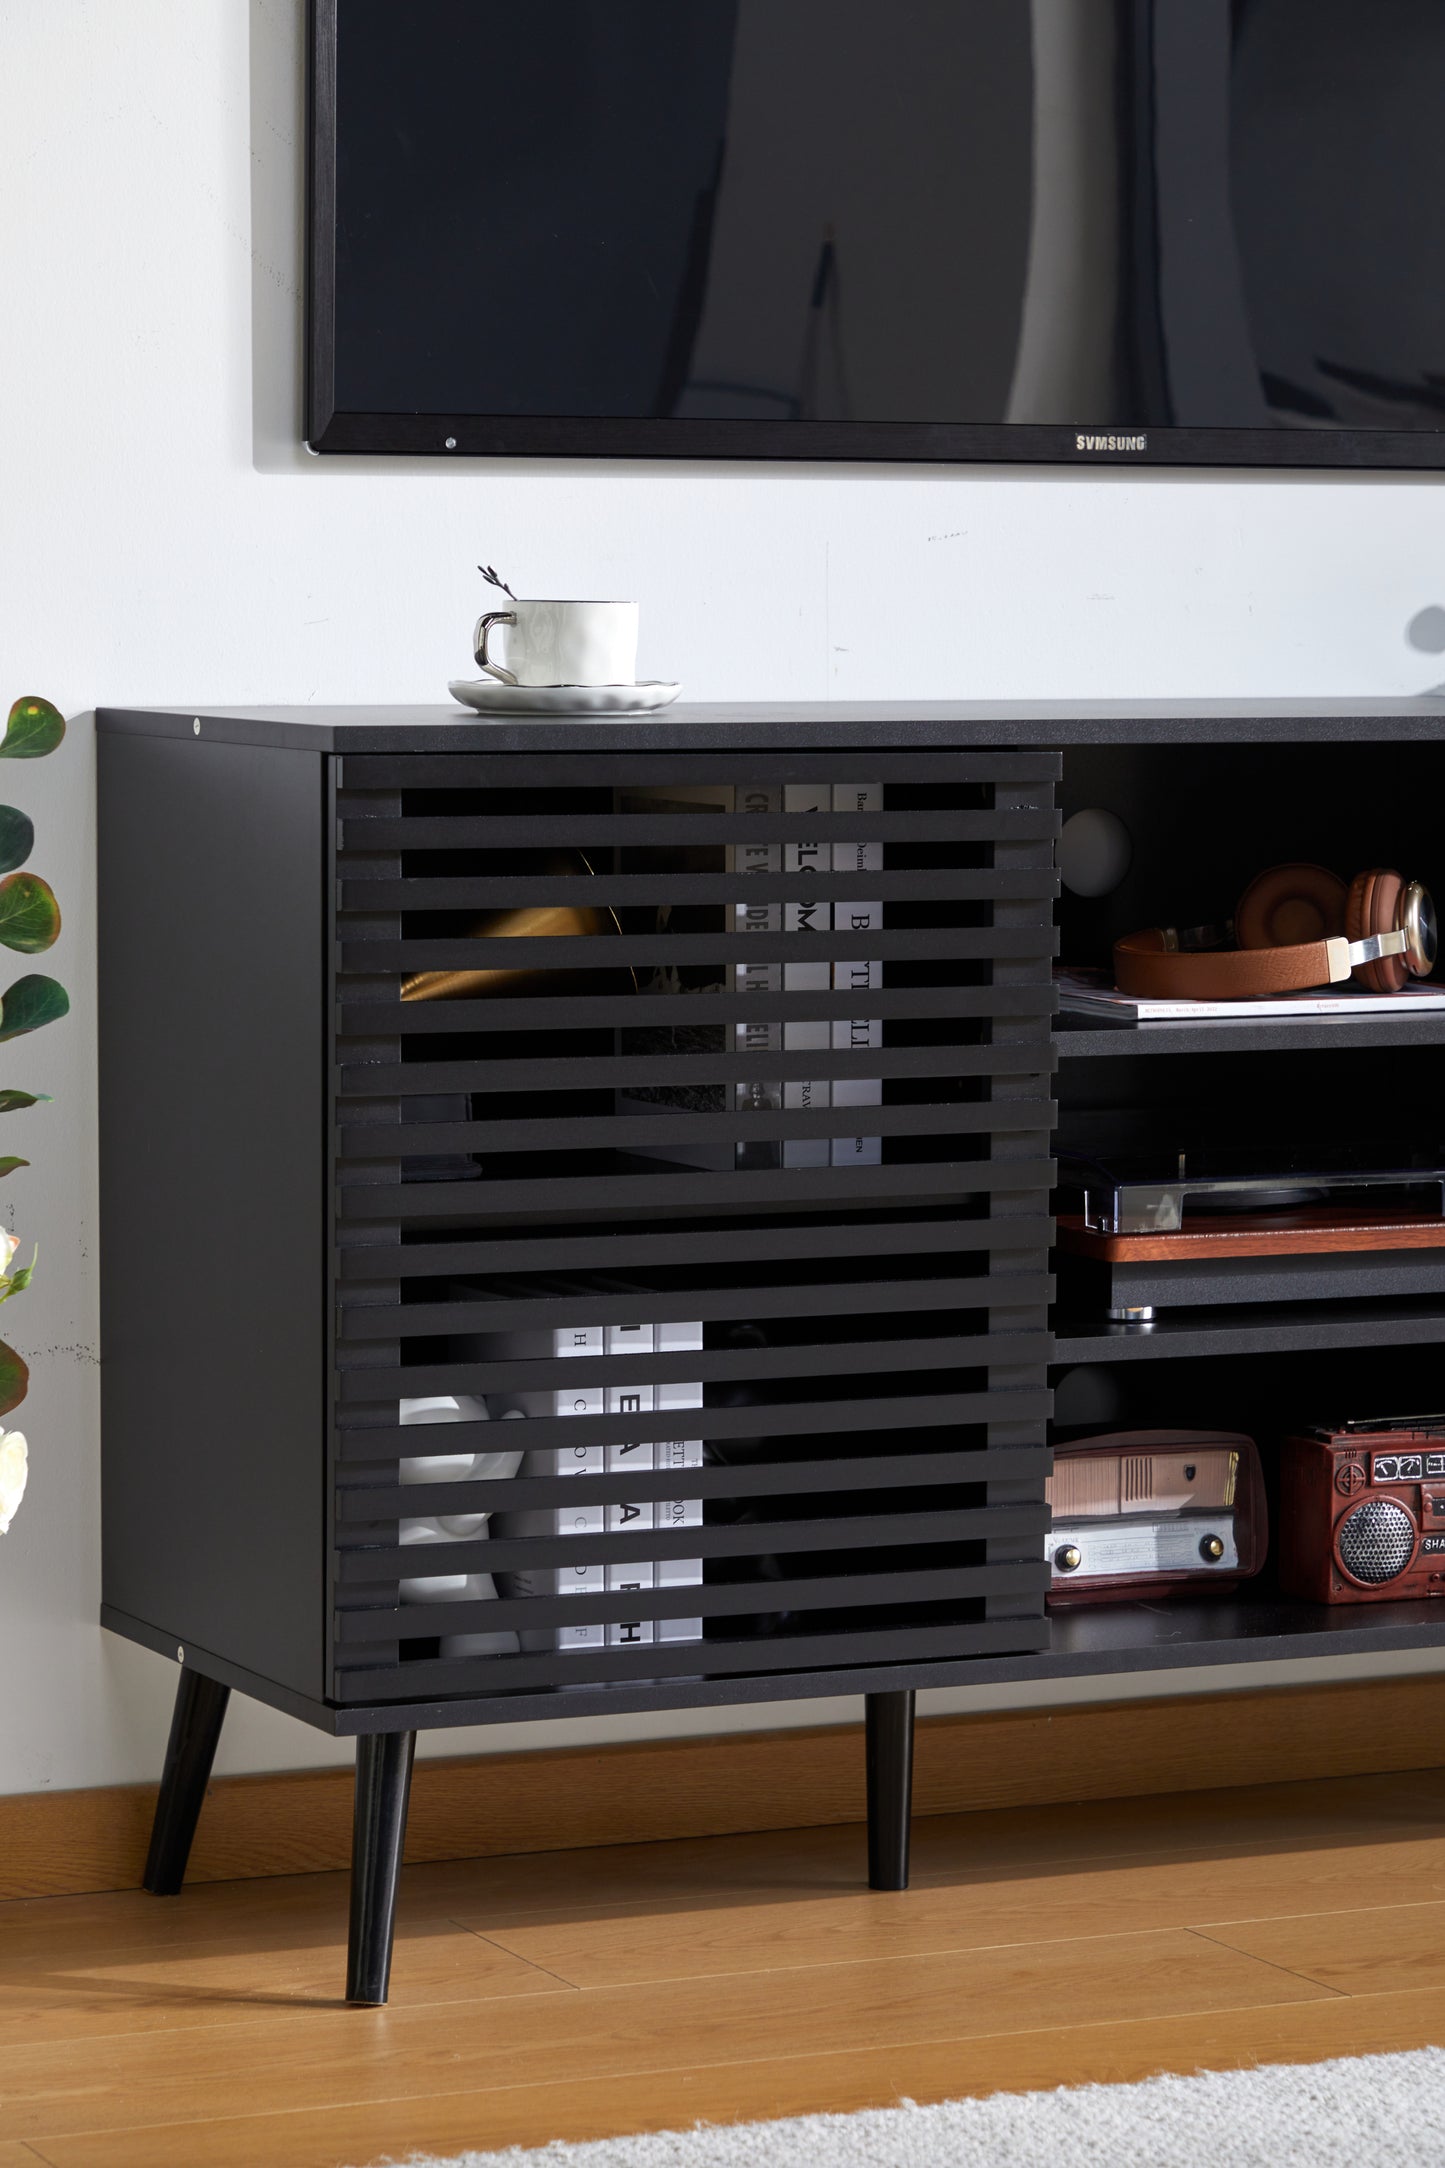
{"type": "Point", "coordinates": [162, 540]}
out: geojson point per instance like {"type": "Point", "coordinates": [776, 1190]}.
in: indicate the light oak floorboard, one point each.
{"type": "Point", "coordinates": [1282, 1922]}
{"type": "Point", "coordinates": [346, 2055]}
{"type": "Point", "coordinates": [263, 1988]}
{"type": "Point", "coordinates": [84, 1967]}
{"type": "Point", "coordinates": [778, 1866]}
{"type": "Point", "coordinates": [805, 2084]}
{"type": "Point", "coordinates": [1357, 1953]}
{"type": "Point", "coordinates": [774, 1867]}
{"type": "Point", "coordinates": [676, 1941]}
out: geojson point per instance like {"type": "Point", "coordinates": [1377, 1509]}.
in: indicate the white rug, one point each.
{"type": "Point", "coordinates": [1375, 2111]}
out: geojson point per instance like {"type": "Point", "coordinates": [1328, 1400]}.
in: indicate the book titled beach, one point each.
{"type": "Point", "coordinates": [628, 1456]}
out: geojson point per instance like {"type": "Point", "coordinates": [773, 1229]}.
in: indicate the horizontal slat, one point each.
{"type": "Point", "coordinates": [376, 1084]}
{"type": "Point", "coordinates": [373, 1563]}
{"type": "Point", "coordinates": [769, 1659]}
{"type": "Point", "coordinates": [366, 1014]}
{"type": "Point", "coordinates": [829, 1298]}
{"type": "Point", "coordinates": [371, 1511]}
{"type": "Point", "coordinates": [642, 831]}
{"type": "Point", "coordinates": [557, 1373]}
{"type": "Point", "coordinates": [604, 952]}
{"type": "Point", "coordinates": [371, 1499]}
{"type": "Point", "coordinates": [939, 1180]}
{"type": "Point", "coordinates": [381, 891]}
{"type": "Point", "coordinates": [685, 1126]}
{"type": "Point", "coordinates": [512, 771]}
{"type": "Point", "coordinates": [722, 1599]}
{"type": "Point", "coordinates": [582, 1248]}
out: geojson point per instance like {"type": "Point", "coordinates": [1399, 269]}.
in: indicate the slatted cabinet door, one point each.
{"type": "Point", "coordinates": [637, 1109]}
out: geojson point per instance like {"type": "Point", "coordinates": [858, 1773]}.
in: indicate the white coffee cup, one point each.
{"type": "Point", "coordinates": [561, 643]}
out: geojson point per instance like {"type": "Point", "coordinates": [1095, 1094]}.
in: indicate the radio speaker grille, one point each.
{"type": "Point", "coordinates": [1376, 1541]}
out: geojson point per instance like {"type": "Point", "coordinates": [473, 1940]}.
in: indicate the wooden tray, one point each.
{"type": "Point", "coordinates": [1273, 1234]}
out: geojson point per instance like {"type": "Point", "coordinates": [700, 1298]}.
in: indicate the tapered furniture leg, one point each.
{"type": "Point", "coordinates": [888, 1730]}
{"type": "Point", "coordinates": [383, 1787]}
{"type": "Point", "coordinates": [190, 1751]}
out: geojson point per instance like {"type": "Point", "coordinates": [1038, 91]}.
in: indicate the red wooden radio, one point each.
{"type": "Point", "coordinates": [1362, 1511]}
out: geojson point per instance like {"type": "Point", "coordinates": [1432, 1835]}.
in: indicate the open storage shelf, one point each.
{"type": "Point", "coordinates": [1251, 1329]}
{"type": "Point", "coordinates": [1082, 1037]}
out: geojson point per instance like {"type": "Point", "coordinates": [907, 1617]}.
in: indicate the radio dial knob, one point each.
{"type": "Point", "coordinates": [1212, 1548]}
{"type": "Point", "coordinates": [1068, 1557]}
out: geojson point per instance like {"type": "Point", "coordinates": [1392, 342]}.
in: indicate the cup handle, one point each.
{"type": "Point", "coordinates": [479, 642]}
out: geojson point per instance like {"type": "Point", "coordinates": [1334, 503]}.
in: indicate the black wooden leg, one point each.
{"type": "Point", "coordinates": [888, 1728]}
{"type": "Point", "coordinates": [190, 1750]}
{"type": "Point", "coordinates": [383, 1786]}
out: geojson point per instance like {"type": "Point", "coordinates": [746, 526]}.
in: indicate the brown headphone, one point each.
{"type": "Point", "coordinates": [1295, 927]}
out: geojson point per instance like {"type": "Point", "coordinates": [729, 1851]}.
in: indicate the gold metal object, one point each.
{"type": "Point", "coordinates": [538, 921]}
{"type": "Point", "coordinates": [1068, 1558]}
{"type": "Point", "coordinates": [1212, 1548]}
{"type": "Point", "coordinates": [1417, 921]}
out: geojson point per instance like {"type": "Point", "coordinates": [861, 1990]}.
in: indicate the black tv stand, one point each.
{"type": "Point", "coordinates": [318, 1197]}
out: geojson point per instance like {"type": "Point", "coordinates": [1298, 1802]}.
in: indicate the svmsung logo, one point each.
{"type": "Point", "coordinates": [1083, 443]}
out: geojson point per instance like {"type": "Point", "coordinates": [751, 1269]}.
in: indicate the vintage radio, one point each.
{"type": "Point", "coordinates": [1362, 1511]}
{"type": "Point", "coordinates": [1148, 1512]}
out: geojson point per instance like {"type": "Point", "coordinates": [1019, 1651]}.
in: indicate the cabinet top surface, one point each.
{"type": "Point", "coordinates": [707, 726]}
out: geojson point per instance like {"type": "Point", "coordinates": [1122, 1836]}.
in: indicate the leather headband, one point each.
{"type": "Point", "coordinates": [1151, 965]}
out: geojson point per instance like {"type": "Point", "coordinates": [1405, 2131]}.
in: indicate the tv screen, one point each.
{"type": "Point", "coordinates": [1198, 231]}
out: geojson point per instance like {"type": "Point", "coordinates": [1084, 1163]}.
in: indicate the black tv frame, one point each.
{"type": "Point", "coordinates": [572, 436]}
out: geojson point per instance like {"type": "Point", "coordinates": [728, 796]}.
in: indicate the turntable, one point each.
{"type": "Point", "coordinates": [1227, 1227]}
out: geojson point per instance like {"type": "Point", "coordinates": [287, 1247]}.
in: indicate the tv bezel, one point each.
{"type": "Point", "coordinates": [572, 436]}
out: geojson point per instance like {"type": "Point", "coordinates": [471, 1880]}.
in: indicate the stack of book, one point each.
{"type": "Point", "coordinates": [589, 1576]}
{"type": "Point", "coordinates": [804, 912]}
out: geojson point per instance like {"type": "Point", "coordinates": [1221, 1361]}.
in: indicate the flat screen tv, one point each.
{"type": "Point", "coordinates": [1120, 231]}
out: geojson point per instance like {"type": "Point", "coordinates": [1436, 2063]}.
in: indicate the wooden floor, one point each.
{"type": "Point", "coordinates": [580, 1994]}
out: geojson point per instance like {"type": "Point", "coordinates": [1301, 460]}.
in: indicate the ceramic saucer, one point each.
{"type": "Point", "coordinates": [490, 697]}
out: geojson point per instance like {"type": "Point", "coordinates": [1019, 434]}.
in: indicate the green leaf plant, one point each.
{"type": "Point", "coordinates": [30, 1003]}
{"type": "Point", "coordinates": [14, 1375]}
{"type": "Point", "coordinates": [17, 837]}
{"type": "Point", "coordinates": [29, 924]}
{"type": "Point", "coordinates": [15, 1283]}
{"type": "Point", "coordinates": [14, 1378]}
{"type": "Point", "coordinates": [34, 727]}
{"type": "Point", "coordinates": [29, 913]}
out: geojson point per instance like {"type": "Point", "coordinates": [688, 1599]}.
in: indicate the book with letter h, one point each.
{"type": "Point", "coordinates": [589, 1575]}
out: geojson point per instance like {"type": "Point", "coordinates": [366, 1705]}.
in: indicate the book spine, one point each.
{"type": "Point", "coordinates": [857, 976]}
{"type": "Point", "coordinates": [804, 914]}
{"type": "Point", "coordinates": [583, 1578]}
{"type": "Point", "coordinates": [761, 1036]}
{"type": "Point", "coordinates": [635, 1574]}
{"type": "Point", "coordinates": [681, 1454]}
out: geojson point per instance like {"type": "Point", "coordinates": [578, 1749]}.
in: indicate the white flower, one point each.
{"type": "Point", "coordinates": [9, 1244]}
{"type": "Point", "coordinates": [14, 1467]}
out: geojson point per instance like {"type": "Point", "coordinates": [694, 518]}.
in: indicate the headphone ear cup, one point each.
{"type": "Point", "coordinates": [1290, 904]}
{"type": "Point", "coordinates": [1373, 906]}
